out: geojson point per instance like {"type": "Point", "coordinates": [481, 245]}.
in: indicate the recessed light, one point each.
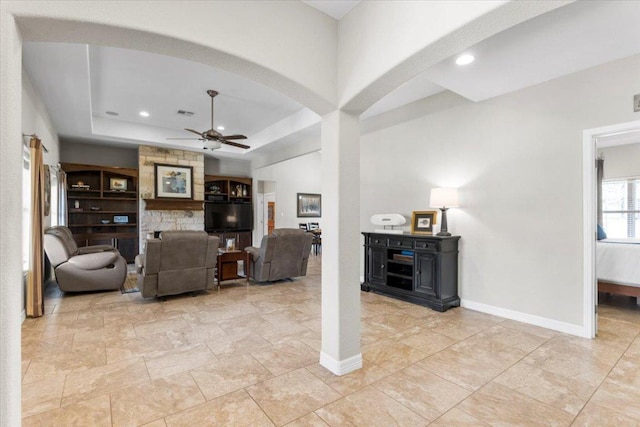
{"type": "Point", "coordinates": [112, 113]}
{"type": "Point", "coordinates": [465, 59]}
{"type": "Point", "coordinates": [144, 114]}
{"type": "Point", "coordinates": [220, 128]}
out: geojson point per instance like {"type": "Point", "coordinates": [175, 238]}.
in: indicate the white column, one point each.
{"type": "Point", "coordinates": [341, 249]}
{"type": "Point", "coordinates": [11, 304]}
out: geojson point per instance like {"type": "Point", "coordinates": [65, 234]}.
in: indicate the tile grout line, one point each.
{"type": "Point", "coordinates": [607, 376]}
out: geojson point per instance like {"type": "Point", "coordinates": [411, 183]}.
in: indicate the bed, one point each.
{"type": "Point", "coordinates": [618, 266]}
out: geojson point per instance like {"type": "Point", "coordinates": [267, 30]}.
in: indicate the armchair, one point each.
{"type": "Point", "coordinates": [94, 268]}
{"type": "Point", "coordinates": [281, 255]}
{"type": "Point", "coordinates": [177, 262]}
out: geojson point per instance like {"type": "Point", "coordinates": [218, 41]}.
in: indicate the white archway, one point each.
{"type": "Point", "coordinates": [166, 28]}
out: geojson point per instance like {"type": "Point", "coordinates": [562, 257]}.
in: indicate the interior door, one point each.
{"type": "Point", "coordinates": [270, 214]}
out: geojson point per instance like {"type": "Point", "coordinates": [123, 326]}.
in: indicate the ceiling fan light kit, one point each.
{"type": "Point", "coordinates": [213, 139]}
{"type": "Point", "coordinates": [212, 145]}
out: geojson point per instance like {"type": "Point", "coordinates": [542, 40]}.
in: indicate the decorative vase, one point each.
{"type": "Point", "coordinates": [244, 191]}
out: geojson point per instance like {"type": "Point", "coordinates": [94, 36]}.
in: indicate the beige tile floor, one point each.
{"type": "Point", "coordinates": [248, 356]}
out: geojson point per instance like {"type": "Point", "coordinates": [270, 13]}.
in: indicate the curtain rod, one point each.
{"type": "Point", "coordinates": [33, 135]}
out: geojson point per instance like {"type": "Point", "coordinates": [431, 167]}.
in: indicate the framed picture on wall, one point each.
{"type": "Point", "coordinates": [174, 182]}
{"type": "Point", "coordinates": [309, 205]}
{"type": "Point", "coordinates": [422, 222]}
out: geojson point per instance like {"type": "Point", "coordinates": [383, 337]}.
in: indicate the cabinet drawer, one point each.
{"type": "Point", "coordinates": [377, 241]}
{"type": "Point", "coordinates": [427, 245]}
{"type": "Point", "coordinates": [401, 243]}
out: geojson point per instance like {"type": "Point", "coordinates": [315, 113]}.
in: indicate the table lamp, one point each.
{"type": "Point", "coordinates": [444, 198]}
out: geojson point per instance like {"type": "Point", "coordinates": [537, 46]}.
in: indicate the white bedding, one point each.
{"type": "Point", "coordinates": [618, 261]}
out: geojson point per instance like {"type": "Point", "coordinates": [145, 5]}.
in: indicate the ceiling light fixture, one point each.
{"type": "Point", "coordinates": [144, 114]}
{"type": "Point", "coordinates": [212, 145]}
{"type": "Point", "coordinates": [465, 59]}
{"type": "Point", "coordinates": [220, 128]}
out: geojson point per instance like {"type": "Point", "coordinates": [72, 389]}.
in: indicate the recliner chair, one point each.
{"type": "Point", "coordinates": [281, 255]}
{"type": "Point", "coordinates": [179, 261]}
{"type": "Point", "coordinates": [93, 268]}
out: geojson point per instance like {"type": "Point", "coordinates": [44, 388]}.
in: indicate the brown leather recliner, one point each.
{"type": "Point", "coordinates": [179, 261]}
{"type": "Point", "coordinates": [281, 255]}
{"type": "Point", "coordinates": [92, 268]}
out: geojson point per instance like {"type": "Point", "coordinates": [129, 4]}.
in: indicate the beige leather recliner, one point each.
{"type": "Point", "coordinates": [92, 268]}
{"type": "Point", "coordinates": [281, 255]}
{"type": "Point", "coordinates": [179, 261]}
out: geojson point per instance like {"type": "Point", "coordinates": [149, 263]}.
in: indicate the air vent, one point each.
{"type": "Point", "coordinates": [185, 113]}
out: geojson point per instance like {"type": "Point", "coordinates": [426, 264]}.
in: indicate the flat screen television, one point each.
{"type": "Point", "coordinates": [227, 216]}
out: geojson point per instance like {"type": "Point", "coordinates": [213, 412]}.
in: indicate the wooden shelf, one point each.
{"type": "Point", "coordinates": [93, 236]}
{"type": "Point", "coordinates": [71, 211]}
{"type": "Point", "coordinates": [119, 192]}
{"type": "Point", "coordinates": [85, 223]}
{"type": "Point", "coordinates": [226, 188]}
{"type": "Point", "coordinates": [174, 205]}
{"type": "Point", "coordinates": [110, 224]}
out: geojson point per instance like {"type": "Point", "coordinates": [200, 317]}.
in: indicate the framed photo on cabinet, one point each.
{"type": "Point", "coordinates": [422, 222]}
{"type": "Point", "coordinates": [118, 184]}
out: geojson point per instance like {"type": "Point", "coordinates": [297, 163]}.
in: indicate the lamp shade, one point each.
{"type": "Point", "coordinates": [444, 197]}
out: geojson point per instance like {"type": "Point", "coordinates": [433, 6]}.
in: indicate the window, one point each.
{"type": "Point", "coordinates": [621, 208]}
{"type": "Point", "coordinates": [26, 209]}
{"type": "Point", "coordinates": [54, 215]}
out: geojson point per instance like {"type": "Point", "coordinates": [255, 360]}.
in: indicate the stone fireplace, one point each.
{"type": "Point", "coordinates": [155, 220]}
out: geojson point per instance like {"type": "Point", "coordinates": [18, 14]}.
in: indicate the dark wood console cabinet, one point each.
{"type": "Point", "coordinates": [415, 268]}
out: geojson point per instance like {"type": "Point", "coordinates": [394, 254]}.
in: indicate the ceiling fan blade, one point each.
{"type": "Point", "coordinates": [235, 137]}
{"type": "Point", "coordinates": [187, 139]}
{"type": "Point", "coordinates": [194, 131]}
{"type": "Point", "coordinates": [235, 144]}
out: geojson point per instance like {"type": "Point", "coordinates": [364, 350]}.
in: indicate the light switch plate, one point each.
{"type": "Point", "coordinates": [636, 102]}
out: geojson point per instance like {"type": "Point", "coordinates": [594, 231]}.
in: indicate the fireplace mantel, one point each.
{"type": "Point", "coordinates": [173, 205]}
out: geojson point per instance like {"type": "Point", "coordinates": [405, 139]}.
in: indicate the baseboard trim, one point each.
{"type": "Point", "coordinates": [341, 367]}
{"type": "Point", "coordinates": [567, 328]}
{"type": "Point", "coordinates": [24, 316]}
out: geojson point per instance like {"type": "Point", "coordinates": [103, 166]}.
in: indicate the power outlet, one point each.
{"type": "Point", "coordinates": [636, 102]}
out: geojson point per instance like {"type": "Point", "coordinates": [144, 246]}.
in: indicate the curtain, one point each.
{"type": "Point", "coordinates": [599, 176]}
{"type": "Point", "coordinates": [62, 197]}
{"type": "Point", "coordinates": [35, 286]}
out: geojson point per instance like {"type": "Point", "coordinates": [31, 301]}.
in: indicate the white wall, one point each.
{"type": "Point", "coordinates": [35, 119]}
{"type": "Point", "coordinates": [230, 167]}
{"type": "Point", "coordinates": [95, 153]}
{"type": "Point", "coordinates": [297, 175]}
{"type": "Point", "coordinates": [622, 161]}
{"type": "Point", "coordinates": [517, 160]}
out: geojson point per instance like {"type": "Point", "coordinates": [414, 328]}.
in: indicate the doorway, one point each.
{"type": "Point", "coordinates": [592, 140]}
{"type": "Point", "coordinates": [265, 210]}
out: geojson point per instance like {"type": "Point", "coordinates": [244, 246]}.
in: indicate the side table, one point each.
{"type": "Point", "coordinates": [227, 265]}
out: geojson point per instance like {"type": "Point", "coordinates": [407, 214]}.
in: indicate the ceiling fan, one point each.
{"type": "Point", "coordinates": [212, 138]}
